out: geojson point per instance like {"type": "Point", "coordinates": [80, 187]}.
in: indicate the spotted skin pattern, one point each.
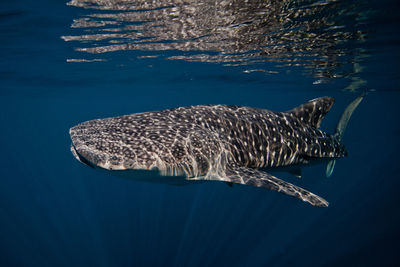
{"type": "Point", "coordinates": [212, 142]}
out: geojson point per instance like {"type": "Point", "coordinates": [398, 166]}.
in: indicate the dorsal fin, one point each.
{"type": "Point", "coordinates": [313, 111]}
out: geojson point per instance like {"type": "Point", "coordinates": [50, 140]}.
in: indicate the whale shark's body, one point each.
{"type": "Point", "coordinates": [233, 144]}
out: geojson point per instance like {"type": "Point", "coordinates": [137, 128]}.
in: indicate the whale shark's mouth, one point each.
{"type": "Point", "coordinates": [80, 158]}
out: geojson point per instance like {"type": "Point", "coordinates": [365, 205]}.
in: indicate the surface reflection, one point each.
{"type": "Point", "coordinates": [308, 34]}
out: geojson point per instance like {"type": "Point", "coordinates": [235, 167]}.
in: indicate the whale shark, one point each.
{"type": "Point", "coordinates": [233, 144]}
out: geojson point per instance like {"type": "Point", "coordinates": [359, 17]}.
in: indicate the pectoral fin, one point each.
{"type": "Point", "coordinates": [247, 176]}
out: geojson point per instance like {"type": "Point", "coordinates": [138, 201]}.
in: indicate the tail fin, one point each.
{"type": "Point", "coordinates": [344, 119]}
{"type": "Point", "coordinates": [341, 127]}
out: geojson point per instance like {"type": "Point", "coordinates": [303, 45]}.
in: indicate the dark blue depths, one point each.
{"type": "Point", "coordinates": [56, 212]}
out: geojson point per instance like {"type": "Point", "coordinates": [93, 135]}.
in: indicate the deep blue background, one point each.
{"type": "Point", "coordinates": [57, 212]}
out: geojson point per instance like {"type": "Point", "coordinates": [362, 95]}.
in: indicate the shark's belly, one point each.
{"type": "Point", "coordinates": [151, 176]}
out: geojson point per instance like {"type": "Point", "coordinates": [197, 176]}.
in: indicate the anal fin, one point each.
{"type": "Point", "coordinates": [296, 172]}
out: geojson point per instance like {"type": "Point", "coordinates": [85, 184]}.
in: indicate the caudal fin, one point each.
{"type": "Point", "coordinates": [341, 127]}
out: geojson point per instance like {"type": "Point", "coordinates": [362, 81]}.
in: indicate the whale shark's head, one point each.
{"type": "Point", "coordinates": [99, 147]}
{"type": "Point", "coordinates": [95, 148]}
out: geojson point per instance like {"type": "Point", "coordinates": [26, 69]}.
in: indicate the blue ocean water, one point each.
{"type": "Point", "coordinates": [63, 63]}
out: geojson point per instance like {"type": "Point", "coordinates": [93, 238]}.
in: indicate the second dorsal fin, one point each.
{"type": "Point", "coordinates": [313, 111]}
